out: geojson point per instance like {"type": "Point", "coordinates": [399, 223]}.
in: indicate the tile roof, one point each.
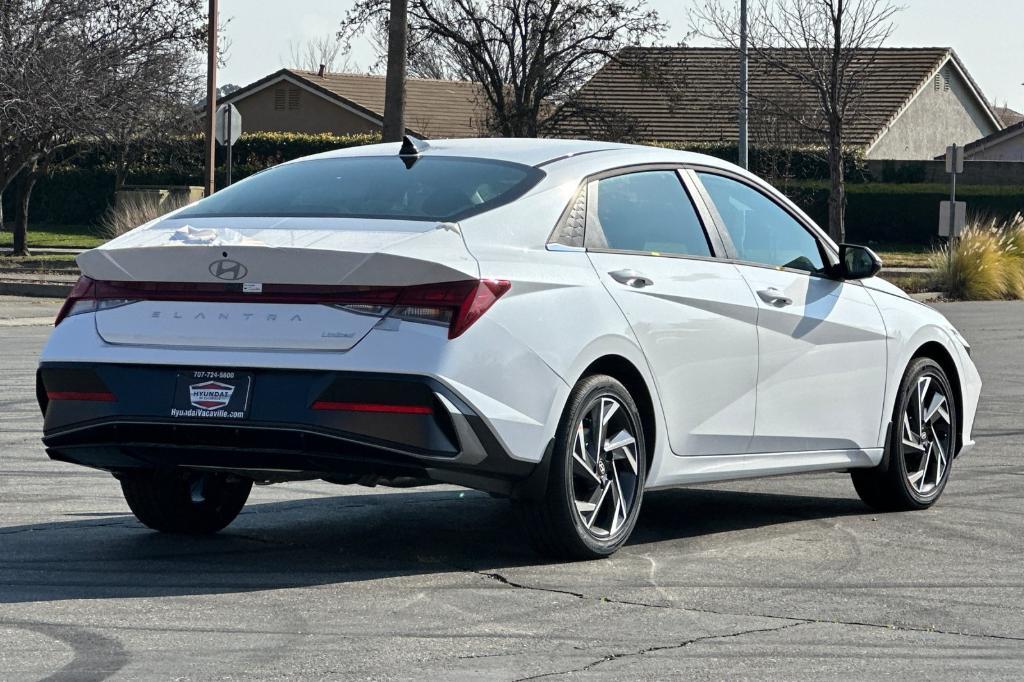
{"type": "Point", "coordinates": [1008, 116]}
{"type": "Point", "coordinates": [989, 140]}
{"type": "Point", "coordinates": [695, 98]}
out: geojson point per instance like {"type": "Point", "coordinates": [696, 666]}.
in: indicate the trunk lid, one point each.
{"type": "Point", "coordinates": [247, 253]}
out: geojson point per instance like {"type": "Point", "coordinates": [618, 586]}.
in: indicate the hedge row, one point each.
{"type": "Point", "coordinates": [904, 213]}
{"type": "Point", "coordinates": [185, 155]}
{"type": "Point", "coordinates": [79, 192]}
{"type": "Point", "coordinates": [799, 163]}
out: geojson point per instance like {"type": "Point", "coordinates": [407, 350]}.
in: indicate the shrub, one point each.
{"type": "Point", "coordinates": [138, 208]}
{"type": "Point", "coordinates": [808, 162]}
{"type": "Point", "coordinates": [1015, 257]}
{"type": "Point", "coordinates": [905, 213]}
{"type": "Point", "coordinates": [985, 263]}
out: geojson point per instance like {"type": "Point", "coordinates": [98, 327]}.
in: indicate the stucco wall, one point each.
{"type": "Point", "coordinates": [938, 117]}
{"type": "Point", "coordinates": [309, 113]}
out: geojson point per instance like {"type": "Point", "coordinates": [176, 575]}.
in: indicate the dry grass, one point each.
{"type": "Point", "coordinates": [986, 263]}
{"type": "Point", "coordinates": [131, 211]}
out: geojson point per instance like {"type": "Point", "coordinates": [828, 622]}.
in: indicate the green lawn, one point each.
{"type": "Point", "coordinates": [63, 263]}
{"type": "Point", "coordinates": [57, 236]}
{"type": "Point", "coordinates": [903, 255]}
{"type": "Point", "coordinates": [912, 283]}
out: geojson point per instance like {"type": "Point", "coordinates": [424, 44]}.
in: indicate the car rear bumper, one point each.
{"type": "Point", "coordinates": [299, 423]}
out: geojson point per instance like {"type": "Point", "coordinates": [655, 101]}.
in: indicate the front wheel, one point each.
{"type": "Point", "coordinates": [185, 501]}
{"type": "Point", "coordinates": [921, 446]}
{"type": "Point", "coordinates": [596, 476]}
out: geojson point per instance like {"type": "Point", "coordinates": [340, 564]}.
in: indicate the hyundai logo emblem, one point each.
{"type": "Point", "coordinates": [230, 270]}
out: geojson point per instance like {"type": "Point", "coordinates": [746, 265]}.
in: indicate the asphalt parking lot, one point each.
{"type": "Point", "coordinates": [788, 577]}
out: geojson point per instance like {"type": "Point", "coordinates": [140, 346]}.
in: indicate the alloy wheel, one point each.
{"type": "Point", "coordinates": [926, 436]}
{"type": "Point", "coordinates": [605, 473]}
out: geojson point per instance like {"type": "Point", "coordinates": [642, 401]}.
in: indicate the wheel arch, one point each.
{"type": "Point", "coordinates": [622, 369]}
{"type": "Point", "coordinates": [934, 350]}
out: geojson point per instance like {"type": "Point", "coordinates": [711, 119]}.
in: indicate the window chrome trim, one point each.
{"type": "Point", "coordinates": [563, 248]}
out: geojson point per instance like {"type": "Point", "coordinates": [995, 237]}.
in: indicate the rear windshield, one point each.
{"type": "Point", "coordinates": [431, 188]}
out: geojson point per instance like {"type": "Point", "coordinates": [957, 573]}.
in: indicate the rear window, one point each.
{"type": "Point", "coordinates": [432, 188]}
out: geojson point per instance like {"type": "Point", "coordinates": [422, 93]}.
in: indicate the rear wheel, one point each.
{"type": "Point", "coordinates": [195, 503]}
{"type": "Point", "coordinates": [921, 445]}
{"type": "Point", "coordinates": [596, 476]}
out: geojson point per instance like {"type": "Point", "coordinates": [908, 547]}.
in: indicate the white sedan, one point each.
{"type": "Point", "coordinates": [563, 323]}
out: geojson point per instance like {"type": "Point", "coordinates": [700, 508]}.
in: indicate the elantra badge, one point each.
{"type": "Point", "coordinates": [211, 395]}
{"type": "Point", "coordinates": [228, 269]}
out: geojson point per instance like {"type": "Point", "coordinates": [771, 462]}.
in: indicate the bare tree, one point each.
{"type": "Point", "coordinates": [825, 50]}
{"type": "Point", "coordinates": [327, 51]}
{"type": "Point", "coordinates": [530, 57]}
{"type": "Point", "coordinates": [70, 71]}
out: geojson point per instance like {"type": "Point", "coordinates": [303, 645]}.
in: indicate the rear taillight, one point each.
{"type": "Point", "coordinates": [456, 305]}
{"type": "Point", "coordinates": [82, 299]}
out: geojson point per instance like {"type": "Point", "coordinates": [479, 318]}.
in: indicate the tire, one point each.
{"type": "Point", "coordinates": [185, 502]}
{"type": "Point", "coordinates": [574, 519]}
{"type": "Point", "coordinates": [921, 448]}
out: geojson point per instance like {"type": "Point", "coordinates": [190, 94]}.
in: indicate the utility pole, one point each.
{"type": "Point", "coordinates": [211, 97]}
{"type": "Point", "coordinates": [394, 94]}
{"type": "Point", "coordinates": [744, 99]}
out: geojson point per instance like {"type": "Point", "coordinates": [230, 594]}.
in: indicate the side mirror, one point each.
{"type": "Point", "coordinates": [857, 262]}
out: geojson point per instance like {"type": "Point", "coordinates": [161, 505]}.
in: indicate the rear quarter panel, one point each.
{"type": "Point", "coordinates": [557, 306]}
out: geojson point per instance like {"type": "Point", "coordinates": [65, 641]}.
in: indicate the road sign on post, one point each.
{"type": "Point", "coordinates": [953, 213]}
{"type": "Point", "coordinates": [228, 130]}
{"type": "Point", "coordinates": [954, 159]}
{"type": "Point", "coordinates": [952, 225]}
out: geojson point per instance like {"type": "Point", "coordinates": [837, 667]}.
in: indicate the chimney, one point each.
{"type": "Point", "coordinates": [323, 68]}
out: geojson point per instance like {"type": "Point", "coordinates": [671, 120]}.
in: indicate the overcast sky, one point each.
{"type": "Point", "coordinates": [987, 34]}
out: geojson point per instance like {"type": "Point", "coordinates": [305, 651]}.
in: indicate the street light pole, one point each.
{"type": "Point", "coordinates": [211, 97]}
{"type": "Point", "coordinates": [744, 99]}
{"type": "Point", "coordinates": [394, 83]}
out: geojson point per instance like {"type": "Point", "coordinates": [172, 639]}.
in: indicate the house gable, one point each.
{"type": "Point", "coordinates": [354, 103]}
{"type": "Point", "coordinates": [946, 109]}
{"type": "Point", "coordinates": [287, 105]}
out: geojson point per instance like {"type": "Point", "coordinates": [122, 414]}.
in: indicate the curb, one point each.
{"type": "Point", "coordinates": [36, 289]}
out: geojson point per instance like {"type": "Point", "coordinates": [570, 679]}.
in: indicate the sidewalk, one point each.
{"type": "Point", "coordinates": [48, 285]}
{"type": "Point", "coordinates": [55, 251]}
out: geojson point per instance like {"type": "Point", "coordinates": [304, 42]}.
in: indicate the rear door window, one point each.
{"type": "Point", "coordinates": [431, 188]}
{"type": "Point", "coordinates": [647, 212]}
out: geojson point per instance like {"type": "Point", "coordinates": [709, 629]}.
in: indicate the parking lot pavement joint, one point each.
{"type": "Point", "coordinates": [664, 647]}
{"type": "Point", "coordinates": [795, 620]}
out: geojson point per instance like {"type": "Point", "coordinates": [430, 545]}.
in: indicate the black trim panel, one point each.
{"type": "Point", "coordinates": [282, 432]}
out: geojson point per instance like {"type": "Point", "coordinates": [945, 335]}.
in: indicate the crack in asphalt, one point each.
{"type": "Point", "coordinates": [795, 620]}
{"type": "Point", "coordinates": [663, 647]}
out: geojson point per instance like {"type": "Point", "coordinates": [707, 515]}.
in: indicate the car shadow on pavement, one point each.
{"type": "Point", "coordinates": [349, 538]}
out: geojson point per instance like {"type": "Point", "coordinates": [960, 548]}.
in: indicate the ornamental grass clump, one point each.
{"type": "Point", "coordinates": [978, 265]}
{"type": "Point", "coordinates": [133, 210]}
{"type": "Point", "coordinates": [1015, 257]}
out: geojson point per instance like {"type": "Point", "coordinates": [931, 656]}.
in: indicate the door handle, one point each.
{"type": "Point", "coordinates": [773, 296]}
{"type": "Point", "coordinates": [631, 278]}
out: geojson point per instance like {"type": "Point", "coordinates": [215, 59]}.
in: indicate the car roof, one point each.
{"type": "Point", "coordinates": [528, 151]}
